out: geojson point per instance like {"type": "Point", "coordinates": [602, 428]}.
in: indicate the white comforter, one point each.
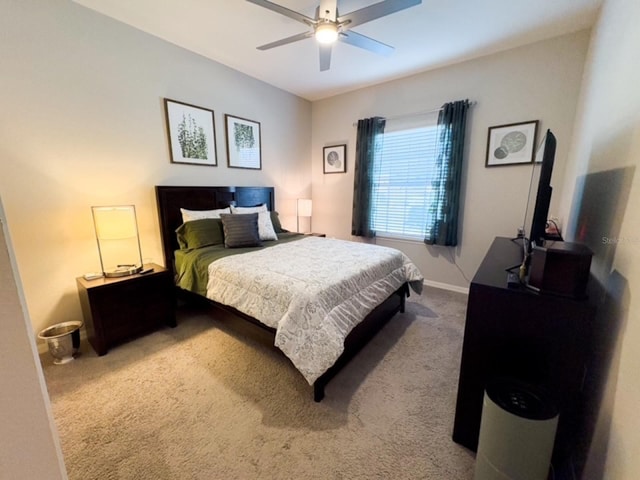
{"type": "Point", "coordinates": [312, 291]}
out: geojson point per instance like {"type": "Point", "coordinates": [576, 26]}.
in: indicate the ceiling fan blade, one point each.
{"type": "Point", "coordinates": [328, 10]}
{"type": "Point", "coordinates": [285, 41]}
{"type": "Point", "coordinates": [284, 11]}
{"type": "Point", "coordinates": [325, 57]}
{"type": "Point", "coordinates": [358, 40]}
{"type": "Point", "coordinates": [377, 10]}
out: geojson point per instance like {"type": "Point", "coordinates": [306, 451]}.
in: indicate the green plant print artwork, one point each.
{"type": "Point", "coordinates": [193, 141]}
{"type": "Point", "coordinates": [243, 136]}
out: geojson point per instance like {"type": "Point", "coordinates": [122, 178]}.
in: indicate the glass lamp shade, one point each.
{"type": "Point", "coordinates": [116, 230]}
{"type": "Point", "coordinates": [327, 33]}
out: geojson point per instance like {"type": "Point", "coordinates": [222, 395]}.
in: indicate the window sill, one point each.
{"type": "Point", "coordinates": [399, 239]}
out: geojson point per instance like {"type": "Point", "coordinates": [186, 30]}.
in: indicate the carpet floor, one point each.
{"type": "Point", "coordinates": [209, 401]}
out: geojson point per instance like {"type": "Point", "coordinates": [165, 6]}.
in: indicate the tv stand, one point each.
{"type": "Point", "coordinates": [512, 331]}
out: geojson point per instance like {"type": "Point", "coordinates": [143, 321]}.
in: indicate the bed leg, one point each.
{"type": "Point", "coordinates": [403, 297]}
{"type": "Point", "coordinates": [318, 392]}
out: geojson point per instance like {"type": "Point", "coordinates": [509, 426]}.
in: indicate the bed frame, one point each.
{"type": "Point", "coordinates": [171, 198]}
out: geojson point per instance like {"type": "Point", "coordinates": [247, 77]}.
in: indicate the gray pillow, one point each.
{"type": "Point", "coordinates": [240, 230]}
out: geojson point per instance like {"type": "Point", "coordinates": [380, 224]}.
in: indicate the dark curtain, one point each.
{"type": "Point", "coordinates": [367, 146]}
{"type": "Point", "coordinates": [443, 219]}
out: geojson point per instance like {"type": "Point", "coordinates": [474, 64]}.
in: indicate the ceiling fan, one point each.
{"type": "Point", "coordinates": [329, 26]}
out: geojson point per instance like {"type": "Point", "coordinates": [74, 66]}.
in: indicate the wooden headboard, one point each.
{"type": "Point", "coordinates": [171, 199]}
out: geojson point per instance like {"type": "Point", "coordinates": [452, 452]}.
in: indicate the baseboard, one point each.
{"type": "Point", "coordinates": [446, 286]}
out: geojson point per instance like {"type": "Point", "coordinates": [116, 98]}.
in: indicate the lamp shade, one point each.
{"type": "Point", "coordinates": [304, 207]}
{"type": "Point", "coordinates": [115, 223]}
{"type": "Point", "coordinates": [118, 241]}
{"type": "Point", "coordinates": [327, 33]}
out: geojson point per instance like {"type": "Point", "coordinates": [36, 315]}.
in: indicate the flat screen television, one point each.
{"type": "Point", "coordinates": [540, 191]}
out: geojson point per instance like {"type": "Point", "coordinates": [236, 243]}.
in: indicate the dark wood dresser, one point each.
{"type": "Point", "coordinates": [544, 340]}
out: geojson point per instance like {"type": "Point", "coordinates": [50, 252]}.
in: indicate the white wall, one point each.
{"type": "Point", "coordinates": [536, 82]}
{"type": "Point", "coordinates": [29, 446]}
{"type": "Point", "coordinates": [606, 149]}
{"type": "Point", "coordinates": [83, 124]}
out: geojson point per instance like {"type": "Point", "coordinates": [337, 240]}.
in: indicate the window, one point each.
{"type": "Point", "coordinates": [407, 178]}
{"type": "Point", "coordinates": [402, 190]}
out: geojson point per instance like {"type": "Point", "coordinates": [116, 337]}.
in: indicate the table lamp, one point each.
{"type": "Point", "coordinates": [118, 240]}
{"type": "Point", "coordinates": [304, 207]}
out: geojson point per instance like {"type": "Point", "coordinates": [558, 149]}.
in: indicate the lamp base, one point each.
{"type": "Point", "coordinates": [123, 271]}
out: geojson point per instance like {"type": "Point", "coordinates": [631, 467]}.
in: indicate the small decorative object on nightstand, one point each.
{"type": "Point", "coordinates": [117, 309]}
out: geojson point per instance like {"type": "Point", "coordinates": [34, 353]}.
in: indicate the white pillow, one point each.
{"type": "Point", "coordinates": [265, 226]}
{"type": "Point", "coordinates": [190, 215]}
{"type": "Point", "coordinates": [258, 209]}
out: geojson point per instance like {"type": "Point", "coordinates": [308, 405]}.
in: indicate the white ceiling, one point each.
{"type": "Point", "coordinates": [427, 36]}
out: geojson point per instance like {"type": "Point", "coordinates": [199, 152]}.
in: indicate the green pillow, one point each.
{"type": "Point", "coordinates": [240, 230]}
{"type": "Point", "coordinates": [275, 220]}
{"type": "Point", "coordinates": [200, 233]}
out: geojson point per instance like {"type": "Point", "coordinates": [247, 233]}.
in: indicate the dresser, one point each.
{"type": "Point", "coordinates": [514, 332]}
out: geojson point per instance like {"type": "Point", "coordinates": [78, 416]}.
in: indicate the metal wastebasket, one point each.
{"type": "Point", "coordinates": [517, 432]}
{"type": "Point", "coordinates": [63, 340]}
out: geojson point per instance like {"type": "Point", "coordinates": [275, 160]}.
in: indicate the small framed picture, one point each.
{"type": "Point", "coordinates": [192, 134]}
{"type": "Point", "coordinates": [243, 143]}
{"type": "Point", "coordinates": [511, 144]}
{"type": "Point", "coordinates": [335, 159]}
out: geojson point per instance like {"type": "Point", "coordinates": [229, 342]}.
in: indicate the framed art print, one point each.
{"type": "Point", "coordinates": [511, 144]}
{"type": "Point", "coordinates": [192, 134]}
{"type": "Point", "coordinates": [243, 143]}
{"type": "Point", "coordinates": [335, 159]}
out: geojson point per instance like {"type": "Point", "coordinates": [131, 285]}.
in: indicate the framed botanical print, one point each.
{"type": "Point", "coordinates": [511, 144]}
{"type": "Point", "coordinates": [243, 142]}
{"type": "Point", "coordinates": [335, 159]}
{"type": "Point", "coordinates": [192, 134]}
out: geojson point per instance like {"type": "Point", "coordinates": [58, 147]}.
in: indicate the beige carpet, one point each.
{"type": "Point", "coordinates": [204, 401]}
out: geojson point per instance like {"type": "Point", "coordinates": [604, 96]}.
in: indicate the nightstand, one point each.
{"type": "Point", "coordinates": [118, 309]}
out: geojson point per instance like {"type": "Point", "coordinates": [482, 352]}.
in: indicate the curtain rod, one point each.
{"type": "Point", "coordinates": [415, 114]}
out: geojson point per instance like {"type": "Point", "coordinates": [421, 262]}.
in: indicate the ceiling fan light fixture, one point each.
{"type": "Point", "coordinates": [327, 33]}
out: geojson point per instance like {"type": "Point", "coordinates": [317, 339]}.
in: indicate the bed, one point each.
{"type": "Point", "coordinates": [267, 271]}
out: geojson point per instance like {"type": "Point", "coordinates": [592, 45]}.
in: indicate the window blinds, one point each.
{"type": "Point", "coordinates": [402, 181]}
